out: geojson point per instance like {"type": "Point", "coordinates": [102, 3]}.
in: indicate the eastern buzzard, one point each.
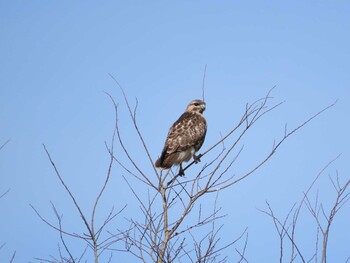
{"type": "Point", "coordinates": [185, 137]}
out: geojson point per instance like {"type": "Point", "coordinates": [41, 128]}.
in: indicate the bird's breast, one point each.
{"type": "Point", "coordinates": [185, 156]}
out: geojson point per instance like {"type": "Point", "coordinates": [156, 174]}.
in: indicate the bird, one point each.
{"type": "Point", "coordinates": [185, 137]}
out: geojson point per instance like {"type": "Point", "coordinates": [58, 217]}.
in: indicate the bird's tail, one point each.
{"type": "Point", "coordinates": [161, 164]}
{"type": "Point", "coordinates": [158, 163]}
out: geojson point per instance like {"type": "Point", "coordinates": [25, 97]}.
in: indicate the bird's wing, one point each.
{"type": "Point", "coordinates": [188, 131]}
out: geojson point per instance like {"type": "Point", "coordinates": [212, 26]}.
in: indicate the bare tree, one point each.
{"type": "Point", "coordinates": [175, 222]}
{"type": "Point", "coordinates": [165, 232]}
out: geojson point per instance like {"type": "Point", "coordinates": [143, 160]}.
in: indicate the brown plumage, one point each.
{"type": "Point", "coordinates": [185, 137]}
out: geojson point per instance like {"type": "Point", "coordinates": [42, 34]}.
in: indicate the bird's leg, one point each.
{"type": "Point", "coordinates": [197, 158]}
{"type": "Point", "coordinates": [181, 171]}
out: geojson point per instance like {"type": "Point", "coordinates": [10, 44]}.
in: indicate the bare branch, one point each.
{"type": "Point", "coordinates": [145, 178]}
{"type": "Point", "coordinates": [282, 230]}
{"type": "Point", "coordinates": [3, 145]}
{"type": "Point", "coordinates": [8, 190]}
{"type": "Point", "coordinates": [69, 192]}
{"type": "Point", "coordinates": [340, 200]}
{"type": "Point", "coordinates": [242, 254]}
{"type": "Point", "coordinates": [59, 219]}
{"type": "Point", "coordinates": [93, 233]}
{"type": "Point", "coordinates": [135, 125]}
{"type": "Point", "coordinates": [276, 146]}
{"type": "Point", "coordinates": [92, 237]}
{"type": "Point", "coordinates": [13, 257]}
{"type": "Point", "coordinates": [203, 82]}
{"type": "Point", "coordinates": [55, 227]}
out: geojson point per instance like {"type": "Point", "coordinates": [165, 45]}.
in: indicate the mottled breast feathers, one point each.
{"type": "Point", "coordinates": [186, 136]}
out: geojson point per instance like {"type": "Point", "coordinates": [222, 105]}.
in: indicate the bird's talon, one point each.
{"type": "Point", "coordinates": [197, 159]}
{"type": "Point", "coordinates": [181, 171]}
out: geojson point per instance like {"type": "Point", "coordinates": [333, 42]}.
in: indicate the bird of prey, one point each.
{"type": "Point", "coordinates": [185, 137]}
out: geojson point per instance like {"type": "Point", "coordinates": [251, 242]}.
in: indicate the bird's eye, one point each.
{"type": "Point", "coordinates": [196, 104]}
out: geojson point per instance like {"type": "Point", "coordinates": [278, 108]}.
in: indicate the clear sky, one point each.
{"type": "Point", "coordinates": [55, 57]}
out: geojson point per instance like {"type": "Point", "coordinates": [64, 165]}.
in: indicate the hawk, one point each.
{"type": "Point", "coordinates": [185, 137]}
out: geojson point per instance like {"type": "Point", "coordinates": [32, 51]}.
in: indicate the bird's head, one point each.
{"type": "Point", "coordinates": [196, 106]}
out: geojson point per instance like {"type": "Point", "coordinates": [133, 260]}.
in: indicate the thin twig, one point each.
{"type": "Point", "coordinates": [13, 257]}
{"type": "Point", "coordinates": [203, 82]}
{"type": "Point", "coordinates": [8, 190]}
{"type": "Point", "coordinates": [3, 145]}
{"type": "Point", "coordinates": [135, 124]}
{"type": "Point", "coordinates": [69, 192]}
{"type": "Point", "coordinates": [59, 219]}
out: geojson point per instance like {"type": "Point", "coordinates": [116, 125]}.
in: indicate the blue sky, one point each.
{"type": "Point", "coordinates": [55, 60]}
